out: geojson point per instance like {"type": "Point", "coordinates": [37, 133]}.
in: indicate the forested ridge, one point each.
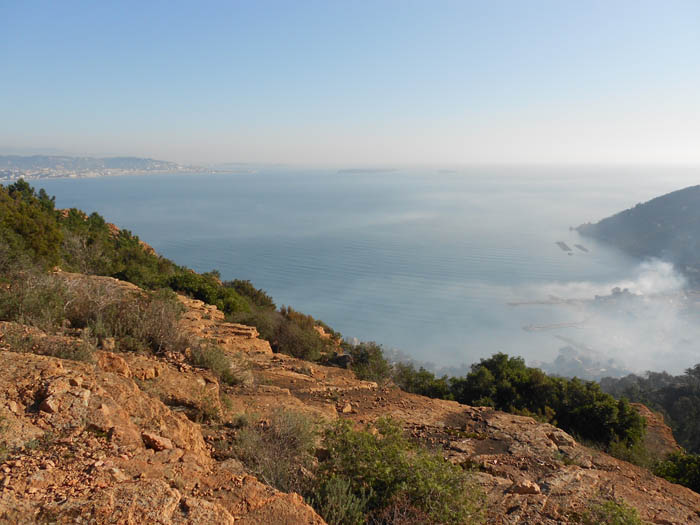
{"type": "Point", "coordinates": [666, 227]}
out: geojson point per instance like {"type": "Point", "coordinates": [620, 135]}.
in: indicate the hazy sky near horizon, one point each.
{"type": "Point", "coordinates": [354, 83]}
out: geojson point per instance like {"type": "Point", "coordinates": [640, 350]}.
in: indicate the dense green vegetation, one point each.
{"type": "Point", "coordinates": [676, 397]}
{"type": "Point", "coordinates": [28, 226]}
{"type": "Point", "coordinates": [585, 409]}
{"type": "Point", "coordinates": [579, 407]}
{"type": "Point", "coordinates": [681, 468]}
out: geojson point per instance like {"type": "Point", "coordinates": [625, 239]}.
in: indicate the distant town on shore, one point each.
{"type": "Point", "coordinates": [34, 167]}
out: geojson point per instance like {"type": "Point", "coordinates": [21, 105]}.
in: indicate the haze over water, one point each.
{"type": "Point", "coordinates": [425, 261]}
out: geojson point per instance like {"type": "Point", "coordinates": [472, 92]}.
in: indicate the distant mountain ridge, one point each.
{"type": "Point", "coordinates": [667, 227]}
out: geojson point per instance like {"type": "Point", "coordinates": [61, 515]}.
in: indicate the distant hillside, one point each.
{"type": "Point", "coordinates": [47, 166]}
{"type": "Point", "coordinates": [667, 227]}
{"type": "Point", "coordinates": [82, 163]}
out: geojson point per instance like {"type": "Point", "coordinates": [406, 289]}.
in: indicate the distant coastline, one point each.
{"type": "Point", "coordinates": [45, 167]}
{"type": "Point", "coordinates": [124, 173]}
{"type": "Point", "coordinates": [358, 171]}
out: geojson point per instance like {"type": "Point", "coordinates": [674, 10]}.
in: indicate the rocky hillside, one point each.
{"type": "Point", "coordinates": [122, 439]}
{"type": "Point", "coordinates": [667, 227]}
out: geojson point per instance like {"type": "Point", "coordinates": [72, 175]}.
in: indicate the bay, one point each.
{"type": "Point", "coordinates": [426, 261]}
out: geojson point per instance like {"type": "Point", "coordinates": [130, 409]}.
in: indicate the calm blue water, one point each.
{"type": "Point", "coordinates": [423, 261]}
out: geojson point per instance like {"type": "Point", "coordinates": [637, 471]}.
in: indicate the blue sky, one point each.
{"type": "Point", "coordinates": [354, 83]}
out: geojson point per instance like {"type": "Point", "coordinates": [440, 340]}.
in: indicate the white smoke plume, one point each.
{"type": "Point", "coordinates": [647, 322]}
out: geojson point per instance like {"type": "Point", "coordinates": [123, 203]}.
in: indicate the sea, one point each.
{"type": "Point", "coordinates": [442, 266]}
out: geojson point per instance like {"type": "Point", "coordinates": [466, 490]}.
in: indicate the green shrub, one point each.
{"type": "Point", "coordinates": [279, 450]}
{"type": "Point", "coordinates": [298, 341]}
{"type": "Point", "coordinates": [139, 322]}
{"type": "Point", "coordinates": [287, 331]}
{"type": "Point", "coordinates": [159, 322]}
{"type": "Point", "coordinates": [231, 370]}
{"type": "Point", "coordinates": [12, 260]}
{"type": "Point", "coordinates": [208, 407]}
{"type": "Point", "coordinates": [81, 350]}
{"type": "Point", "coordinates": [368, 362]}
{"type": "Point", "coordinates": [384, 467]}
{"type": "Point", "coordinates": [33, 298]}
{"type": "Point", "coordinates": [681, 468]}
{"type": "Point", "coordinates": [421, 381]}
{"type": "Point", "coordinates": [610, 512]}
{"type": "Point", "coordinates": [335, 501]}
{"type": "Point", "coordinates": [256, 296]}
{"type": "Point", "coordinates": [266, 322]}
{"type": "Point", "coordinates": [637, 454]}
{"type": "Point", "coordinates": [207, 288]}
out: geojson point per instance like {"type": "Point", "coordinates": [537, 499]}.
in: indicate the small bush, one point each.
{"type": "Point", "coordinates": [335, 501]}
{"type": "Point", "coordinates": [296, 341]}
{"type": "Point", "coordinates": [33, 298]}
{"type": "Point", "coordinates": [265, 321]}
{"type": "Point", "coordinates": [246, 289]}
{"type": "Point", "coordinates": [279, 450]}
{"type": "Point", "coordinates": [636, 453]}
{"type": "Point", "coordinates": [208, 408]}
{"type": "Point", "coordinates": [144, 322]}
{"type": "Point", "coordinates": [17, 340]}
{"type": "Point", "coordinates": [230, 370]}
{"type": "Point", "coordinates": [139, 322]}
{"type": "Point", "coordinates": [368, 362]}
{"type": "Point", "coordinates": [81, 350]}
{"type": "Point", "coordinates": [610, 512]}
{"type": "Point", "coordinates": [160, 322]}
{"type": "Point", "coordinates": [400, 511]}
{"type": "Point", "coordinates": [207, 288]}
